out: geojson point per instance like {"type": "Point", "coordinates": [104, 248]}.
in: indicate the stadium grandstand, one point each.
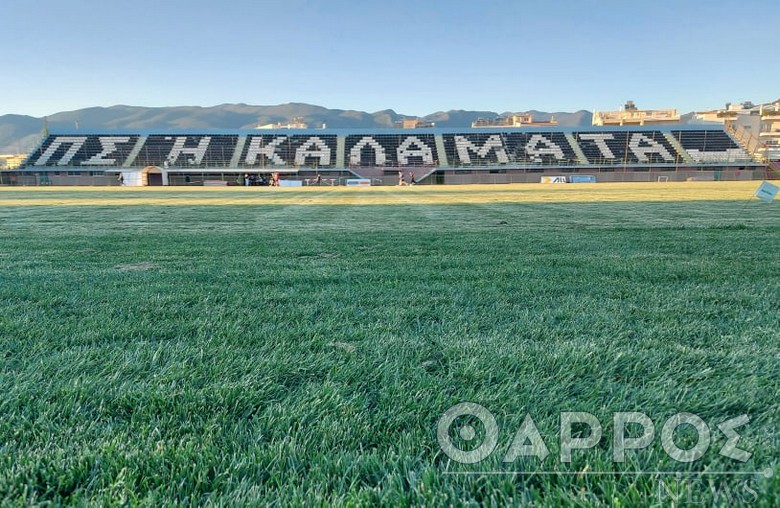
{"type": "Point", "coordinates": [435, 155]}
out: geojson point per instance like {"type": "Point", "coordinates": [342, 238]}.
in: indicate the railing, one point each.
{"type": "Point", "coordinates": [773, 170]}
{"type": "Point", "coordinates": [755, 148]}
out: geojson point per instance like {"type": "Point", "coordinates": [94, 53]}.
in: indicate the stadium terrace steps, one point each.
{"type": "Point", "coordinates": [238, 151]}
{"type": "Point", "coordinates": [443, 159]}
{"type": "Point", "coordinates": [677, 146]}
{"type": "Point", "coordinates": [134, 152]}
{"type": "Point", "coordinates": [387, 150]}
{"type": "Point", "coordinates": [577, 150]}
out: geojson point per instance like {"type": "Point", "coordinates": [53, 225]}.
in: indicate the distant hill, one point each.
{"type": "Point", "coordinates": [18, 133]}
{"type": "Point", "coordinates": [22, 133]}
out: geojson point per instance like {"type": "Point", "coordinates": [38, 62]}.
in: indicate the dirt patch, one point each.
{"type": "Point", "coordinates": [136, 267]}
{"type": "Point", "coordinates": [346, 346]}
{"type": "Point", "coordinates": [325, 255]}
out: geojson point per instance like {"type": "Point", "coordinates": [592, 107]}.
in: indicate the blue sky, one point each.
{"type": "Point", "coordinates": [416, 57]}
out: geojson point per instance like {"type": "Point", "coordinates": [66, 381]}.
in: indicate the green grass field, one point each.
{"type": "Point", "coordinates": [302, 354]}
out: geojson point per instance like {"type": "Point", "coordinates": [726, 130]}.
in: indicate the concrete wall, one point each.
{"type": "Point", "coordinates": [133, 177]}
{"type": "Point", "coordinates": [611, 176]}
{"type": "Point", "coordinates": [52, 179]}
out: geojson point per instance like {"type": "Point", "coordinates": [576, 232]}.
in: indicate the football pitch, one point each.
{"type": "Point", "coordinates": [302, 346]}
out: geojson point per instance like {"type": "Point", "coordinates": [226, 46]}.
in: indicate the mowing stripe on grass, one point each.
{"type": "Point", "coordinates": [430, 195]}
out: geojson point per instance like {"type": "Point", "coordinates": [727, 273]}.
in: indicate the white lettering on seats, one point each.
{"type": "Point", "coordinates": [75, 142]}
{"type": "Point", "coordinates": [256, 149]}
{"type": "Point", "coordinates": [464, 146]}
{"type": "Point", "coordinates": [405, 151]}
{"type": "Point", "coordinates": [379, 151]}
{"type": "Point", "coordinates": [198, 152]}
{"type": "Point", "coordinates": [600, 140]}
{"type": "Point", "coordinates": [550, 148]}
{"type": "Point", "coordinates": [108, 143]}
{"type": "Point", "coordinates": [322, 152]}
{"type": "Point", "coordinates": [651, 147]}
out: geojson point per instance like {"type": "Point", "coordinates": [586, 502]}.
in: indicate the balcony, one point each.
{"type": "Point", "coordinates": [636, 117]}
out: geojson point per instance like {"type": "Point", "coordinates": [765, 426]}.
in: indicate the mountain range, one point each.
{"type": "Point", "coordinates": [20, 133]}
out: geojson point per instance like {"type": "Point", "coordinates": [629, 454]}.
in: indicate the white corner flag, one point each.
{"type": "Point", "coordinates": [766, 192]}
